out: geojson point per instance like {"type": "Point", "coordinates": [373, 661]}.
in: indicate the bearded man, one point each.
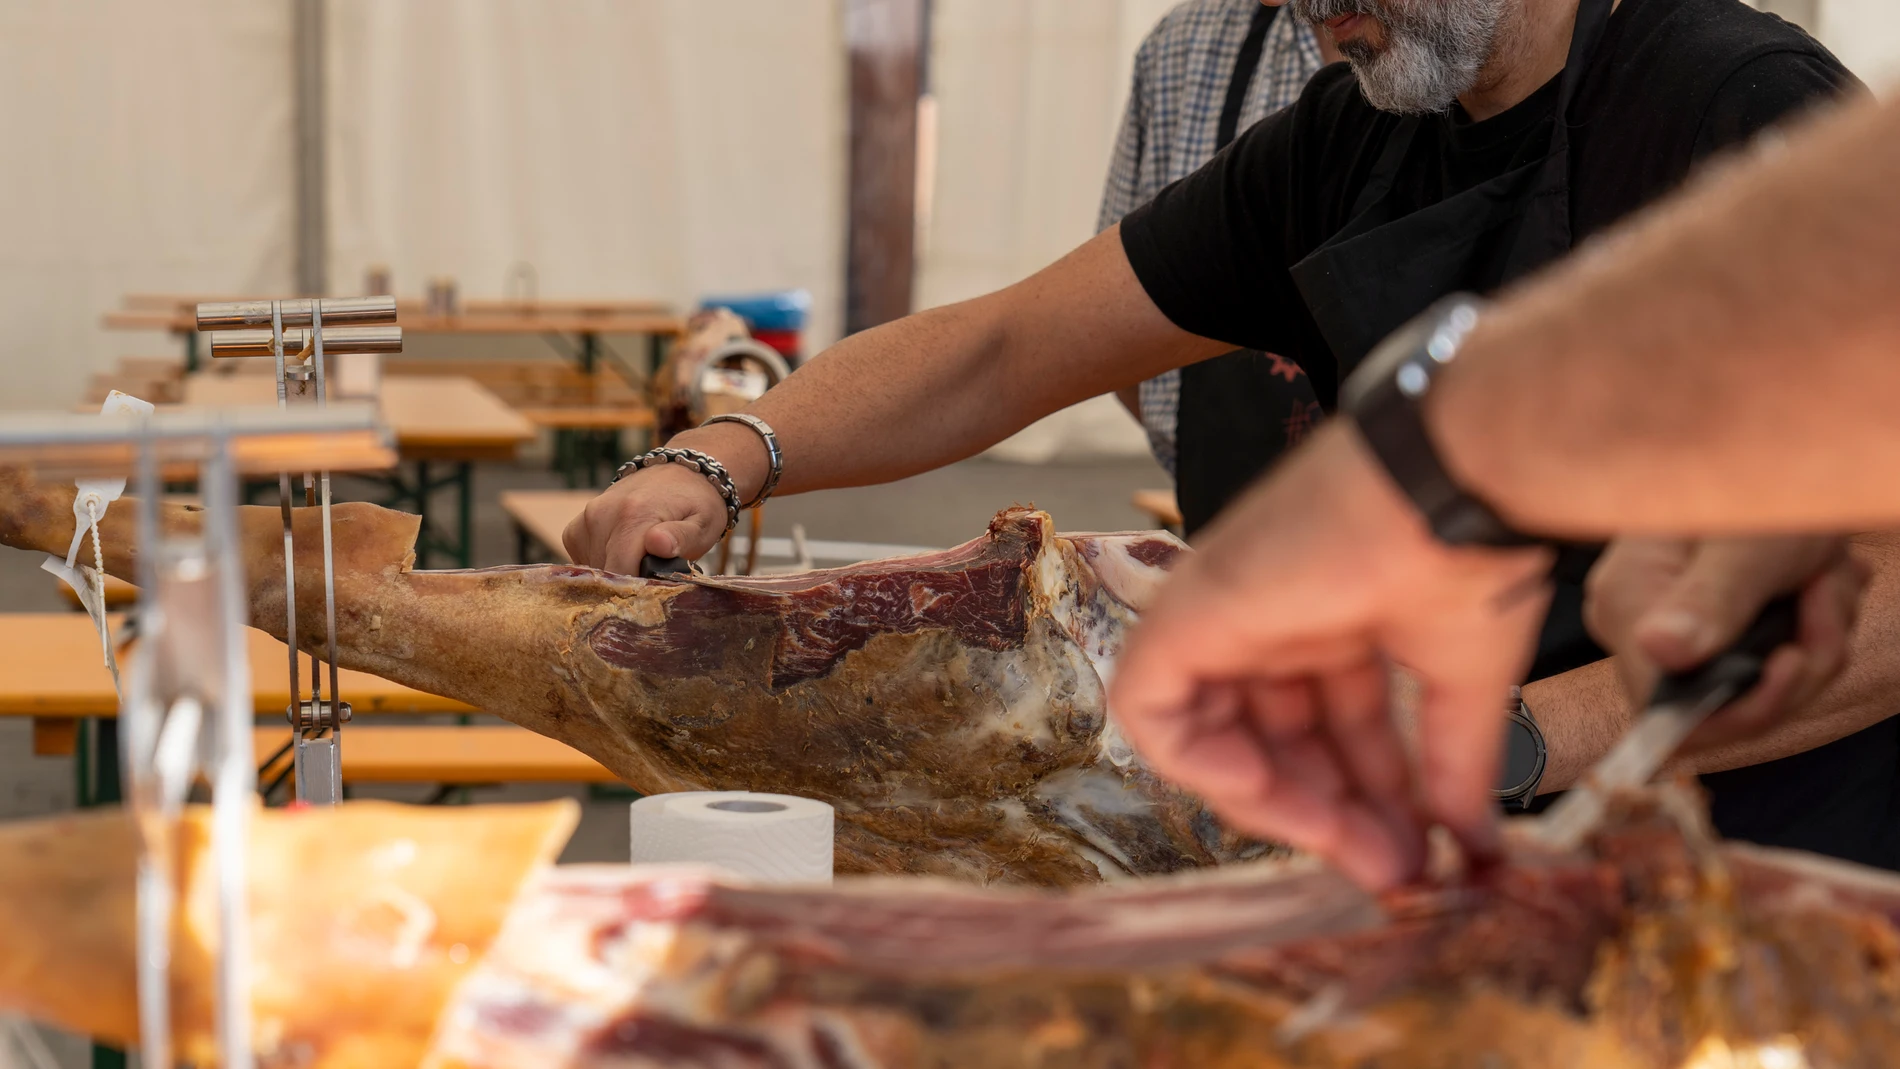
{"type": "Point", "coordinates": [1466, 143]}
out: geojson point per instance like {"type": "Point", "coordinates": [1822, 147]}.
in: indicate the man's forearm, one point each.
{"type": "Point", "coordinates": [1725, 363]}
{"type": "Point", "coordinates": [1582, 713]}
{"type": "Point", "coordinates": [939, 386]}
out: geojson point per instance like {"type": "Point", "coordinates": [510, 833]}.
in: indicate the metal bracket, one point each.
{"type": "Point", "coordinates": [296, 340]}
{"type": "Point", "coordinates": [186, 709]}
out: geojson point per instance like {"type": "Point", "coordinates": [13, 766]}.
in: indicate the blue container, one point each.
{"type": "Point", "coordinates": [785, 310]}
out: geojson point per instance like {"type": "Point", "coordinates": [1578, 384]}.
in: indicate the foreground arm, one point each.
{"type": "Point", "coordinates": [907, 397]}
{"type": "Point", "coordinates": [1725, 364]}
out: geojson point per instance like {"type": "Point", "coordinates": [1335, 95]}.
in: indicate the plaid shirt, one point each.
{"type": "Point", "coordinates": [1172, 122]}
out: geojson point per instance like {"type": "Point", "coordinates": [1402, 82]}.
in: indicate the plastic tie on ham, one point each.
{"type": "Point", "coordinates": [89, 510]}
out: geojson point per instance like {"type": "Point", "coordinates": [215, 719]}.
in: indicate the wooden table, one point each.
{"type": "Point", "coordinates": [585, 410]}
{"type": "Point", "coordinates": [435, 418]}
{"type": "Point", "coordinates": [1160, 504]}
{"type": "Point", "coordinates": [50, 670]}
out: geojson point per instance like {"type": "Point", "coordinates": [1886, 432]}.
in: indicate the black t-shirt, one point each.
{"type": "Point", "coordinates": [1672, 83]}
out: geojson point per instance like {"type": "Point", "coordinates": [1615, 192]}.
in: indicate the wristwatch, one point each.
{"type": "Point", "coordinates": [1522, 769]}
{"type": "Point", "coordinates": [1385, 398]}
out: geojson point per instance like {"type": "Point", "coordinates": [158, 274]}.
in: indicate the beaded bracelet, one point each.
{"type": "Point", "coordinates": [702, 463]}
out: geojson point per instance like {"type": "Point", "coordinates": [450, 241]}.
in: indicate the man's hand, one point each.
{"type": "Point", "coordinates": [666, 511]}
{"type": "Point", "coordinates": [1259, 678]}
{"type": "Point", "coordinates": [1664, 605]}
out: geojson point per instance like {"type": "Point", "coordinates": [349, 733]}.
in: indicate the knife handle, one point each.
{"type": "Point", "coordinates": [1738, 667]}
{"type": "Point", "coordinates": [652, 567]}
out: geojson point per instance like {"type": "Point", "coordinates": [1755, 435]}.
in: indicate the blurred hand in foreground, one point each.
{"type": "Point", "coordinates": [1259, 678]}
{"type": "Point", "coordinates": [1664, 605]}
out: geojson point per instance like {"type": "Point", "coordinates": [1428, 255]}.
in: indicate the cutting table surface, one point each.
{"type": "Point", "coordinates": [50, 666]}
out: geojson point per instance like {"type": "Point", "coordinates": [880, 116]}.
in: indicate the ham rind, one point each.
{"type": "Point", "coordinates": [1654, 951]}
{"type": "Point", "coordinates": [950, 706]}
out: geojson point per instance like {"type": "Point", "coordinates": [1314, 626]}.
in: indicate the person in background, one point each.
{"type": "Point", "coordinates": [1209, 70]}
{"type": "Point", "coordinates": [1724, 366]}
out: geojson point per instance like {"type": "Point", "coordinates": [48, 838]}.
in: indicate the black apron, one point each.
{"type": "Point", "coordinates": [1241, 411]}
{"type": "Point", "coordinates": [1384, 267]}
{"type": "Point", "coordinates": [1238, 411]}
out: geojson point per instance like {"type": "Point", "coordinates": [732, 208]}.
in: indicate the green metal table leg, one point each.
{"type": "Point", "coordinates": [96, 763]}
{"type": "Point", "coordinates": [590, 351]}
{"type": "Point", "coordinates": [191, 351]}
{"type": "Point", "coordinates": [465, 520]}
{"type": "Point", "coordinates": [424, 545]}
{"type": "Point", "coordinates": [96, 766]}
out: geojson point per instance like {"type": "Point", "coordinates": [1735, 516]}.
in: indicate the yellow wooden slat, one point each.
{"type": "Point", "coordinates": [451, 754]}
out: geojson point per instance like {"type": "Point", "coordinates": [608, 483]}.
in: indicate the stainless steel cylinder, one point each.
{"type": "Point", "coordinates": [335, 340]}
{"type": "Point", "coordinates": [337, 311]}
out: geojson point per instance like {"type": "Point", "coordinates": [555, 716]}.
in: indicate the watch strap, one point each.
{"type": "Point", "coordinates": [1518, 782]}
{"type": "Point", "coordinates": [1385, 399]}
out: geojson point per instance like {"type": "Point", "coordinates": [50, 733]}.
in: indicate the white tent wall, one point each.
{"type": "Point", "coordinates": [1866, 35]}
{"type": "Point", "coordinates": [148, 149]}
{"type": "Point", "coordinates": [1028, 95]}
{"type": "Point", "coordinates": [643, 148]}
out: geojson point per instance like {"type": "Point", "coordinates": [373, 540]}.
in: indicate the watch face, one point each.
{"type": "Point", "coordinates": [1521, 758]}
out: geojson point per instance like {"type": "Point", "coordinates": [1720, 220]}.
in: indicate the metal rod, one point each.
{"type": "Point", "coordinates": [382, 339]}
{"type": "Point", "coordinates": [234, 778]}
{"type": "Point", "coordinates": [283, 502]}
{"type": "Point", "coordinates": [155, 903]}
{"type": "Point", "coordinates": [184, 425]}
{"type": "Point", "coordinates": [337, 312]}
{"type": "Point", "coordinates": [317, 312]}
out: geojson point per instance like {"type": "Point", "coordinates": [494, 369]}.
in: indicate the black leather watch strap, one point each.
{"type": "Point", "coordinates": [1385, 399]}
{"type": "Point", "coordinates": [1521, 770]}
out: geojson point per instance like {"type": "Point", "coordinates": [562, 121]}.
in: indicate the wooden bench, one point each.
{"type": "Point", "coordinates": [447, 753]}
{"type": "Point", "coordinates": [540, 516]}
{"type": "Point", "coordinates": [1162, 506]}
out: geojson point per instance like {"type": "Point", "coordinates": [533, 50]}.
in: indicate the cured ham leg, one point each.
{"type": "Point", "coordinates": [364, 918]}
{"type": "Point", "coordinates": [949, 705]}
{"type": "Point", "coordinates": [1659, 950]}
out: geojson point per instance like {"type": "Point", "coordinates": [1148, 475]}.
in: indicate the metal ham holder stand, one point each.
{"type": "Point", "coordinates": [299, 334]}
{"type": "Point", "coordinates": [185, 708]}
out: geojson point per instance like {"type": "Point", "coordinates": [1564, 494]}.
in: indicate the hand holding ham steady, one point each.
{"type": "Point", "coordinates": [1259, 677]}
{"type": "Point", "coordinates": [663, 511]}
{"type": "Point", "coordinates": [1669, 604]}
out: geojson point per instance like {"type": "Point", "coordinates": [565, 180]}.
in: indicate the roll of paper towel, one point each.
{"type": "Point", "coordinates": [768, 838]}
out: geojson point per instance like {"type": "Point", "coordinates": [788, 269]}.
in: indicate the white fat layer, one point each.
{"type": "Point", "coordinates": [1069, 579]}
{"type": "Point", "coordinates": [574, 960]}
{"type": "Point", "coordinates": [1127, 579]}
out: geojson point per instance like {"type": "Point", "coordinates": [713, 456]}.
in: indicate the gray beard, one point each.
{"type": "Point", "coordinates": [1434, 49]}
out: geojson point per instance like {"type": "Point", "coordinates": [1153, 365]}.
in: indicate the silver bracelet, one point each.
{"type": "Point", "coordinates": [764, 430]}
{"type": "Point", "coordinates": [702, 463]}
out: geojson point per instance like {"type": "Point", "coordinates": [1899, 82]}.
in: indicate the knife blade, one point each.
{"type": "Point", "coordinates": [1678, 705]}
{"type": "Point", "coordinates": [652, 567]}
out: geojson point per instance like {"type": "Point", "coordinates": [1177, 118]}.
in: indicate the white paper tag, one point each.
{"type": "Point", "coordinates": [89, 509]}
{"type": "Point", "coordinates": [95, 494]}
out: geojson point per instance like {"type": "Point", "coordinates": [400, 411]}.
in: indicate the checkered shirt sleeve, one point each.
{"type": "Point", "coordinates": [1172, 122]}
